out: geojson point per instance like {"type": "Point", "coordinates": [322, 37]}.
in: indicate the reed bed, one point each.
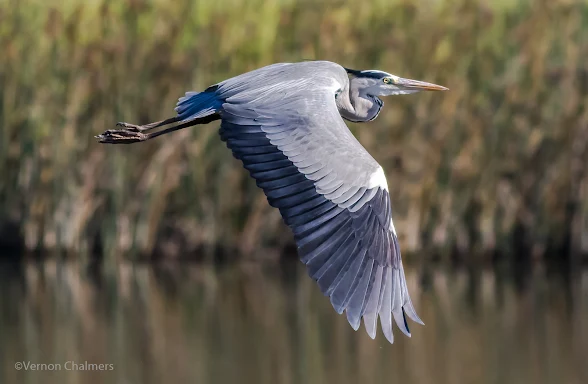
{"type": "Point", "coordinates": [498, 164]}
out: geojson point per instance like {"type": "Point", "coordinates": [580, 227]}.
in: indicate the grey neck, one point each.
{"type": "Point", "coordinates": [357, 106]}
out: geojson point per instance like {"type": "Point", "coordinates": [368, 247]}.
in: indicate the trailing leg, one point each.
{"type": "Point", "coordinates": [147, 127]}
{"type": "Point", "coordinates": [134, 135]}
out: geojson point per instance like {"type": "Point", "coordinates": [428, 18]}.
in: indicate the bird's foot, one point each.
{"type": "Point", "coordinates": [129, 127]}
{"type": "Point", "coordinates": [121, 136]}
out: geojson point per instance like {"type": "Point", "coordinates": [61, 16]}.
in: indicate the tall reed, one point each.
{"type": "Point", "coordinates": [498, 163]}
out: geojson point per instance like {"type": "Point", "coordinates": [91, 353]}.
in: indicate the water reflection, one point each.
{"type": "Point", "coordinates": [258, 324]}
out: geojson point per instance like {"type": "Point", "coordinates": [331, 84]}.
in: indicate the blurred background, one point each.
{"type": "Point", "coordinates": [165, 259]}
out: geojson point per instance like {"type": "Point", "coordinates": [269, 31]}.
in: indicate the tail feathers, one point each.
{"type": "Point", "coordinates": [197, 104]}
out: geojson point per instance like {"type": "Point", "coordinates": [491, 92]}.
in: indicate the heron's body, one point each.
{"type": "Point", "coordinates": [284, 122]}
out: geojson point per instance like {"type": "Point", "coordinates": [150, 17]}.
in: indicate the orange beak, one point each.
{"type": "Point", "coordinates": [419, 85]}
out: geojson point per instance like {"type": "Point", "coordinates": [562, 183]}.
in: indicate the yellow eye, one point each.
{"type": "Point", "coordinates": [387, 80]}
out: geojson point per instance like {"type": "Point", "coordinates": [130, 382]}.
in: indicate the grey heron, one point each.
{"type": "Point", "coordinates": [285, 123]}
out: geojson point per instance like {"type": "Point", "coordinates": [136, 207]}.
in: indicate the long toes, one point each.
{"type": "Point", "coordinates": [132, 127]}
{"type": "Point", "coordinates": [121, 132]}
{"type": "Point", "coordinates": [120, 136]}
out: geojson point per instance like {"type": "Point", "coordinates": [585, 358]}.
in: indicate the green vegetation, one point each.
{"type": "Point", "coordinates": [498, 163]}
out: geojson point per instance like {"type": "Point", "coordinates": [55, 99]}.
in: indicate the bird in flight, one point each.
{"type": "Point", "coordinates": [285, 123]}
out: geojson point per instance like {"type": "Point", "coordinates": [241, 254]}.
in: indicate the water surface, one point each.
{"type": "Point", "coordinates": [178, 323]}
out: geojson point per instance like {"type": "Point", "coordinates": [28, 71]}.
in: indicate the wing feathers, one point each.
{"type": "Point", "coordinates": [370, 316]}
{"type": "Point", "coordinates": [314, 171]}
{"type": "Point", "coordinates": [353, 199]}
{"type": "Point", "coordinates": [290, 190]}
{"type": "Point", "coordinates": [397, 311]}
{"type": "Point", "coordinates": [282, 182]}
{"type": "Point", "coordinates": [354, 310]}
{"type": "Point", "coordinates": [307, 241]}
{"type": "Point", "coordinates": [311, 215]}
{"type": "Point", "coordinates": [385, 309]}
{"type": "Point", "coordinates": [268, 166]}
{"type": "Point", "coordinates": [301, 208]}
{"type": "Point", "coordinates": [341, 292]}
{"type": "Point", "coordinates": [254, 159]}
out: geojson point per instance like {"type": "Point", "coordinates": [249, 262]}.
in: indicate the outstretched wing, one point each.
{"type": "Point", "coordinates": [288, 133]}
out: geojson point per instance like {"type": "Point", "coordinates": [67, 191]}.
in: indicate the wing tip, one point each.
{"type": "Point", "coordinates": [370, 321]}
{"type": "Point", "coordinates": [354, 320]}
{"type": "Point", "coordinates": [409, 310]}
{"type": "Point", "coordinates": [388, 316]}
{"type": "Point", "coordinates": [388, 334]}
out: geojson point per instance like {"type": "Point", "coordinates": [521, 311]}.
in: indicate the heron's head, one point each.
{"type": "Point", "coordinates": [379, 83]}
